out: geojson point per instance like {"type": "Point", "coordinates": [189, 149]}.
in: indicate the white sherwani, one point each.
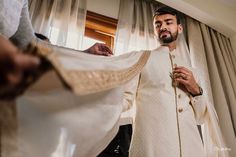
{"type": "Point", "coordinates": [165, 124]}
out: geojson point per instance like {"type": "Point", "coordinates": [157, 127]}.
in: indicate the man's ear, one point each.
{"type": "Point", "coordinates": [180, 28]}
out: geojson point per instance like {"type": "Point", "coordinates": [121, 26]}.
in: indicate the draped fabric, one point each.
{"type": "Point", "coordinates": [56, 122]}
{"type": "Point", "coordinates": [212, 54]}
{"type": "Point", "coordinates": [135, 29]}
{"type": "Point", "coordinates": [62, 21]}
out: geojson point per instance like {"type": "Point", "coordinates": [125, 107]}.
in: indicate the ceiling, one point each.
{"type": "Point", "coordinates": [218, 14]}
{"type": "Point", "coordinates": [230, 3]}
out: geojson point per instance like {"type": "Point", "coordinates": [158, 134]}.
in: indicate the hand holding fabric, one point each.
{"type": "Point", "coordinates": [99, 49]}
{"type": "Point", "coordinates": [184, 77]}
{"type": "Point", "coordinates": [13, 65]}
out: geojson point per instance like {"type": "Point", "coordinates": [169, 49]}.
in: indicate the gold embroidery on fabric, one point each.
{"type": "Point", "coordinates": [92, 81]}
{"type": "Point", "coordinates": [175, 84]}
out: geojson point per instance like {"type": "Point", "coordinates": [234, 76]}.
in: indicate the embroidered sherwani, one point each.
{"type": "Point", "coordinates": [166, 117]}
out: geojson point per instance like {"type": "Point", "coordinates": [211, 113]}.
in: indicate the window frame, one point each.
{"type": "Point", "coordinates": [101, 28]}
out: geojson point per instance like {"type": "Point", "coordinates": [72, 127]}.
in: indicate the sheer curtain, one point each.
{"type": "Point", "coordinates": [134, 32]}
{"type": "Point", "coordinates": [135, 28]}
{"type": "Point", "coordinates": [212, 54]}
{"type": "Point", "coordinates": [62, 21]}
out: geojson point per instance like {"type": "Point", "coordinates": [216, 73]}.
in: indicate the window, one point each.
{"type": "Point", "coordinates": [99, 28]}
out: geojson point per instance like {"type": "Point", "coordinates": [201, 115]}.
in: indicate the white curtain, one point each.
{"type": "Point", "coordinates": [212, 54]}
{"type": "Point", "coordinates": [62, 21]}
{"type": "Point", "coordinates": [135, 28]}
{"type": "Point", "coordinates": [134, 32]}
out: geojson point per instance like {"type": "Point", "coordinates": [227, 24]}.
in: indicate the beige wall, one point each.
{"type": "Point", "coordinates": [108, 8]}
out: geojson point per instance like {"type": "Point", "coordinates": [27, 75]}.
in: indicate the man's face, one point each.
{"type": "Point", "coordinates": [166, 28]}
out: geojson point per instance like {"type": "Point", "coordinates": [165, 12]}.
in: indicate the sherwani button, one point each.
{"type": "Point", "coordinates": [180, 110]}
{"type": "Point", "coordinates": [175, 65]}
{"type": "Point", "coordinates": [179, 96]}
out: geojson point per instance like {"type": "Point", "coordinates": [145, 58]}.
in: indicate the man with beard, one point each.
{"type": "Point", "coordinates": [168, 98]}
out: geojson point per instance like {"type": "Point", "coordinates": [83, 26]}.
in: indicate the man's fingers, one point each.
{"type": "Point", "coordinates": [182, 69]}
{"type": "Point", "coordinates": [14, 78]}
{"type": "Point", "coordinates": [180, 75]}
{"type": "Point", "coordinates": [181, 81]}
{"type": "Point", "coordinates": [20, 63]}
{"type": "Point", "coordinates": [106, 49]}
{"type": "Point", "coordinates": [99, 49]}
{"type": "Point", "coordinates": [26, 62]}
{"type": "Point", "coordinates": [176, 72]}
{"type": "Point", "coordinates": [103, 53]}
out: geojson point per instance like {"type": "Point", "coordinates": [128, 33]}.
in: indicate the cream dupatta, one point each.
{"type": "Point", "coordinates": [81, 118]}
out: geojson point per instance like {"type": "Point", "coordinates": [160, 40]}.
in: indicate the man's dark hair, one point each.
{"type": "Point", "coordinates": [41, 36]}
{"type": "Point", "coordinates": [168, 10]}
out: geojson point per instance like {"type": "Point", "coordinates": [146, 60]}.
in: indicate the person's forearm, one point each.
{"type": "Point", "coordinates": [25, 32]}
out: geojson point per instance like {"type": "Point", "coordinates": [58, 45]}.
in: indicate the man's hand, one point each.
{"type": "Point", "coordinates": [184, 77]}
{"type": "Point", "coordinates": [99, 49]}
{"type": "Point", "coordinates": [13, 65]}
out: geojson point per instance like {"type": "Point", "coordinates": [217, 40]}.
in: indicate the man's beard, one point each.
{"type": "Point", "coordinates": [167, 39]}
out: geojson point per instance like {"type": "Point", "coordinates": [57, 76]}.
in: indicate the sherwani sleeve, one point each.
{"type": "Point", "coordinates": [199, 105]}
{"type": "Point", "coordinates": [130, 93]}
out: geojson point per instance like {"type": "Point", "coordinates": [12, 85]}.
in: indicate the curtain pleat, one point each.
{"type": "Point", "coordinates": [62, 21]}
{"type": "Point", "coordinates": [212, 54]}
{"type": "Point", "coordinates": [135, 28]}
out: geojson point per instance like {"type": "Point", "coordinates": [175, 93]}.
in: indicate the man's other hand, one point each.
{"type": "Point", "coordinates": [99, 49]}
